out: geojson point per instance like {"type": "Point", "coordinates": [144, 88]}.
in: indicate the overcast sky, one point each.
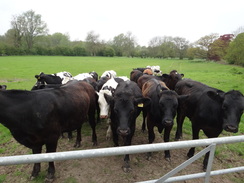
{"type": "Point", "coordinates": [145, 19]}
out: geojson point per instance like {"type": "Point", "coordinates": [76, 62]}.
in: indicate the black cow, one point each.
{"type": "Point", "coordinates": [209, 109]}
{"type": "Point", "coordinates": [161, 111]}
{"type": "Point", "coordinates": [124, 111]}
{"type": "Point", "coordinates": [37, 118]}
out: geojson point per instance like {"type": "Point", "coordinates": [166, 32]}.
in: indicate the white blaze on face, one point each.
{"type": "Point", "coordinates": [103, 105]}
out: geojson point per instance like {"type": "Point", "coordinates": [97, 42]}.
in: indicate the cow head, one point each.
{"type": "Point", "coordinates": [172, 79]}
{"type": "Point", "coordinates": [168, 104]}
{"type": "Point", "coordinates": [103, 104]}
{"type": "Point", "coordinates": [124, 109]}
{"type": "Point", "coordinates": [232, 106]}
{"type": "Point", "coordinates": [3, 87]}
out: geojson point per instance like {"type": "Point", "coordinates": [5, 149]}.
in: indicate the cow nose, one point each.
{"type": "Point", "coordinates": [168, 122]}
{"type": "Point", "coordinates": [103, 116]}
{"type": "Point", "coordinates": [123, 132]}
{"type": "Point", "coordinates": [231, 128]}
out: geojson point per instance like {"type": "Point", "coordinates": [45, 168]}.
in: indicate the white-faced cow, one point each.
{"type": "Point", "coordinates": [209, 109]}
{"type": "Point", "coordinates": [161, 111]}
{"type": "Point", "coordinates": [124, 111]}
{"type": "Point", "coordinates": [37, 118]}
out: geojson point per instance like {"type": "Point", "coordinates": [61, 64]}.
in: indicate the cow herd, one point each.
{"type": "Point", "coordinates": [60, 103]}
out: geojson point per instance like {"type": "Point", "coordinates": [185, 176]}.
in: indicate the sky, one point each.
{"type": "Point", "coordinates": [145, 19]}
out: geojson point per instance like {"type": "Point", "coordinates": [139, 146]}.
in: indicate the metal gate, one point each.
{"type": "Point", "coordinates": [112, 151]}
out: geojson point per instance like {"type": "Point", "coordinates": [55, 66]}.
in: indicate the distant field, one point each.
{"type": "Point", "coordinates": [17, 72]}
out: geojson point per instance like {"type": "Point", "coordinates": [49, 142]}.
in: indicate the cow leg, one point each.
{"type": "Point", "coordinates": [92, 123]}
{"type": "Point", "coordinates": [78, 138]}
{"type": "Point", "coordinates": [37, 166]}
{"type": "Point", "coordinates": [166, 139]}
{"type": "Point", "coordinates": [151, 136]}
{"type": "Point", "coordinates": [206, 157]}
{"type": "Point", "coordinates": [180, 119]}
{"type": "Point", "coordinates": [127, 141]}
{"type": "Point", "coordinates": [195, 135]}
{"type": "Point", "coordinates": [115, 138]}
{"type": "Point", "coordinates": [51, 147]}
{"type": "Point", "coordinates": [109, 132]}
{"type": "Point", "coordinates": [144, 113]}
{"type": "Point", "coordinates": [70, 136]}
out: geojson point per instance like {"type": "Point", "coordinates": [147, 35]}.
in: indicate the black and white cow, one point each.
{"type": "Point", "coordinates": [58, 78]}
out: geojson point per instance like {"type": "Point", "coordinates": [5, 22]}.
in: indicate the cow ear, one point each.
{"type": "Point", "coordinates": [108, 98]}
{"type": "Point", "coordinates": [217, 96]}
{"type": "Point", "coordinates": [159, 89]}
{"type": "Point", "coordinates": [182, 75]}
{"type": "Point", "coordinates": [142, 102]}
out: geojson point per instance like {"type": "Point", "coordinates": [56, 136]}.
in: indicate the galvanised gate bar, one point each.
{"type": "Point", "coordinates": [112, 151]}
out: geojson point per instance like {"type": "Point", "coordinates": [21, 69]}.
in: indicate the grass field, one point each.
{"type": "Point", "coordinates": [17, 72]}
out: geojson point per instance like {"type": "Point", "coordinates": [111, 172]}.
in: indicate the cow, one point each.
{"type": "Point", "coordinates": [172, 78]}
{"type": "Point", "coordinates": [83, 76]}
{"type": "Point", "coordinates": [124, 111]}
{"type": "Point", "coordinates": [135, 74]}
{"type": "Point", "coordinates": [209, 109]}
{"type": "Point", "coordinates": [58, 78]}
{"type": "Point", "coordinates": [3, 87]}
{"type": "Point", "coordinates": [37, 118]}
{"type": "Point", "coordinates": [161, 111]}
{"type": "Point", "coordinates": [108, 88]}
{"type": "Point", "coordinates": [109, 74]}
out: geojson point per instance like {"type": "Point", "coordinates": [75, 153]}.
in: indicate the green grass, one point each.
{"type": "Point", "coordinates": [17, 72]}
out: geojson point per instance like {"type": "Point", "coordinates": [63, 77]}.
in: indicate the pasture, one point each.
{"type": "Point", "coordinates": [17, 72]}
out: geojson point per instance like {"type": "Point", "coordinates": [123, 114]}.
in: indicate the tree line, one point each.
{"type": "Point", "coordinates": [29, 36]}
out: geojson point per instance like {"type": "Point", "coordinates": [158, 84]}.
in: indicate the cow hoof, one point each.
{"type": "Point", "coordinates": [126, 169]}
{"type": "Point", "coordinates": [168, 159]}
{"type": "Point", "coordinates": [149, 156]}
{"type": "Point", "coordinates": [94, 143]}
{"type": "Point", "coordinates": [49, 178]}
{"type": "Point", "coordinates": [32, 178]}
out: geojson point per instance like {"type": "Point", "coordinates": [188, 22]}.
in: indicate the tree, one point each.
{"type": "Point", "coordinates": [218, 49]}
{"type": "Point", "coordinates": [238, 31]}
{"type": "Point", "coordinates": [235, 53]}
{"type": "Point", "coordinates": [92, 43]}
{"type": "Point", "coordinates": [28, 25]}
{"type": "Point", "coordinates": [154, 47]}
{"type": "Point", "coordinates": [124, 45]}
{"type": "Point", "coordinates": [181, 46]}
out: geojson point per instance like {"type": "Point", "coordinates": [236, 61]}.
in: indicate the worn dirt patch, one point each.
{"type": "Point", "coordinates": [108, 169]}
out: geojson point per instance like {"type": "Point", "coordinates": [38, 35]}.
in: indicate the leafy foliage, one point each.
{"type": "Point", "coordinates": [235, 53]}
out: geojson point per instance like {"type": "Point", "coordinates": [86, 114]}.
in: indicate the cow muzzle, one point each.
{"type": "Point", "coordinates": [231, 128]}
{"type": "Point", "coordinates": [123, 132]}
{"type": "Point", "coordinates": [103, 116]}
{"type": "Point", "coordinates": [168, 122]}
